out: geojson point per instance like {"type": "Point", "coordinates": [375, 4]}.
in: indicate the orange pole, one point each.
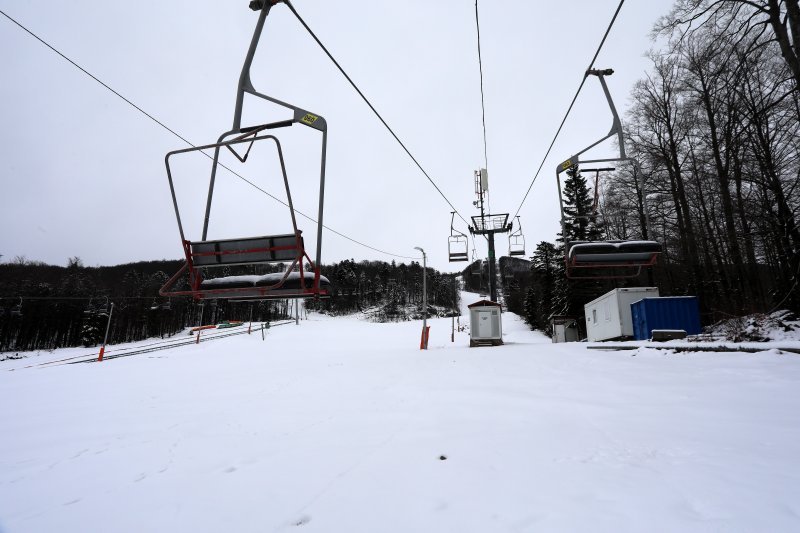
{"type": "Point", "coordinates": [105, 339]}
{"type": "Point", "coordinates": [423, 342]}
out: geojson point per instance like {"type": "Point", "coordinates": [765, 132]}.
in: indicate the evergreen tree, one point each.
{"type": "Point", "coordinates": [580, 210]}
{"type": "Point", "coordinates": [581, 224]}
{"type": "Point", "coordinates": [546, 270]}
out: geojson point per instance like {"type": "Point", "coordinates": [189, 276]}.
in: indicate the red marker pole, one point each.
{"type": "Point", "coordinates": [105, 339]}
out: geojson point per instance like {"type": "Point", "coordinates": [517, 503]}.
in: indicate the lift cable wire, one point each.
{"type": "Point", "coordinates": [483, 105]}
{"type": "Point", "coordinates": [179, 136]}
{"type": "Point", "coordinates": [585, 75]}
{"type": "Point", "coordinates": [375, 111]}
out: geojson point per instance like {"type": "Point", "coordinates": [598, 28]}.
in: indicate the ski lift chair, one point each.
{"type": "Point", "coordinates": [205, 255]}
{"type": "Point", "coordinates": [516, 241]}
{"type": "Point", "coordinates": [457, 244]}
{"type": "Point", "coordinates": [604, 259]}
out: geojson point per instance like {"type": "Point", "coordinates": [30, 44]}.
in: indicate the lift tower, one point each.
{"type": "Point", "coordinates": [487, 225]}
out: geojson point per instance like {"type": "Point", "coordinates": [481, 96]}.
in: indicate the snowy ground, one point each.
{"type": "Point", "coordinates": [340, 425]}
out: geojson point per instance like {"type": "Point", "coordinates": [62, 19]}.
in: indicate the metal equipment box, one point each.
{"type": "Point", "coordinates": [565, 329]}
{"type": "Point", "coordinates": [667, 312]}
{"type": "Point", "coordinates": [485, 324]}
{"type": "Point", "coordinates": [609, 316]}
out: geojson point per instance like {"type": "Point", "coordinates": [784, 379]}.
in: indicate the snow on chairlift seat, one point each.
{"type": "Point", "coordinates": [290, 285]}
{"type": "Point", "coordinates": [208, 254]}
{"type": "Point", "coordinates": [622, 252]}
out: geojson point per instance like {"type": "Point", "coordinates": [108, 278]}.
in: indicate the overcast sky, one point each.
{"type": "Point", "coordinates": [82, 173]}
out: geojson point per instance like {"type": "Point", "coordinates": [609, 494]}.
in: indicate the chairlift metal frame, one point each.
{"type": "Point", "coordinates": [475, 265]}
{"type": "Point", "coordinates": [457, 243]}
{"type": "Point", "coordinates": [252, 250]}
{"type": "Point", "coordinates": [634, 264]}
{"type": "Point", "coordinates": [516, 241]}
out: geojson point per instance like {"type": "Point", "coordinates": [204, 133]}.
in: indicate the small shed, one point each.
{"type": "Point", "coordinates": [485, 324]}
{"type": "Point", "coordinates": [565, 328]}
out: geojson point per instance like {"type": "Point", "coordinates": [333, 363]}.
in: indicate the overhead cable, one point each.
{"type": "Point", "coordinates": [375, 111]}
{"type": "Point", "coordinates": [483, 105]}
{"type": "Point", "coordinates": [583, 80]}
{"type": "Point", "coordinates": [182, 138]}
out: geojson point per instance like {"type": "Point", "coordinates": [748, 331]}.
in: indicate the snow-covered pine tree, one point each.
{"type": "Point", "coordinates": [547, 268]}
{"type": "Point", "coordinates": [581, 224]}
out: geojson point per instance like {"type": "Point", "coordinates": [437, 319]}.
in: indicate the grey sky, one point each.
{"type": "Point", "coordinates": [82, 173]}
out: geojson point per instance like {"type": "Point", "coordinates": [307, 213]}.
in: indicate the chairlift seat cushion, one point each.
{"type": "Point", "coordinates": [246, 251]}
{"type": "Point", "coordinates": [622, 252]}
{"type": "Point", "coordinates": [240, 282]}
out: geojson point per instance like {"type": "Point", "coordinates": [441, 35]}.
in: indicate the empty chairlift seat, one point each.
{"type": "Point", "coordinates": [457, 249]}
{"type": "Point", "coordinates": [516, 241]}
{"type": "Point", "coordinates": [612, 253]}
{"type": "Point", "coordinates": [457, 245]}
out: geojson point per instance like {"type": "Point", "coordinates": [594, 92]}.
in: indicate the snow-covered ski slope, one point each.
{"type": "Point", "coordinates": [341, 425]}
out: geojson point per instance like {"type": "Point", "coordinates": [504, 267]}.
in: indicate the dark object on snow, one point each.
{"type": "Point", "coordinates": [661, 335]}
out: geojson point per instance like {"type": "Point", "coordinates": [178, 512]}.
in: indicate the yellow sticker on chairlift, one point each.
{"type": "Point", "coordinates": [566, 164]}
{"type": "Point", "coordinates": [309, 118]}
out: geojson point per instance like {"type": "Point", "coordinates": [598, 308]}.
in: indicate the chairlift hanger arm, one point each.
{"type": "Point", "coordinates": [616, 128]}
{"type": "Point", "coordinates": [300, 115]}
{"type": "Point", "coordinates": [453, 231]}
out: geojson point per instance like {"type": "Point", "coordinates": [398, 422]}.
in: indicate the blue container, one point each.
{"type": "Point", "coordinates": [666, 312]}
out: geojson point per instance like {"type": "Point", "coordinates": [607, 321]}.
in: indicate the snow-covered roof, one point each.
{"type": "Point", "coordinates": [484, 303]}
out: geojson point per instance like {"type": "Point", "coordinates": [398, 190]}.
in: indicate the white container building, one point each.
{"type": "Point", "coordinates": [609, 316]}
{"type": "Point", "coordinates": [485, 324]}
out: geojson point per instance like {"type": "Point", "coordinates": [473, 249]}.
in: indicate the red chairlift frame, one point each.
{"type": "Point", "coordinates": [250, 135]}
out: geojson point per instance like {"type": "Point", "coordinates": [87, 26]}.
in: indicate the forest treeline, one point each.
{"type": "Point", "coordinates": [46, 306]}
{"type": "Point", "coordinates": [715, 125]}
